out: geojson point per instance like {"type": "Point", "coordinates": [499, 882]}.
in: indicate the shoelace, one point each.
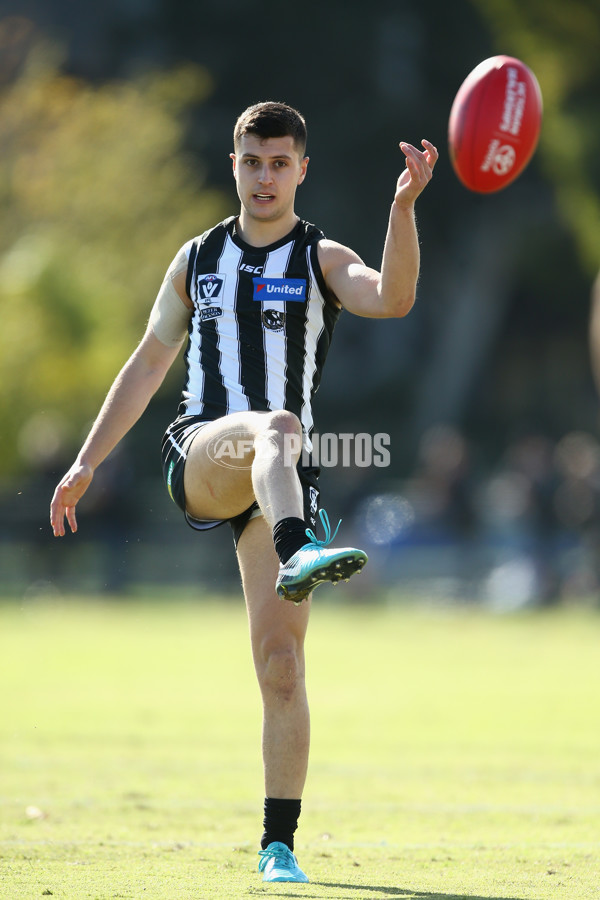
{"type": "Point", "coordinates": [326, 528]}
{"type": "Point", "coordinates": [282, 854]}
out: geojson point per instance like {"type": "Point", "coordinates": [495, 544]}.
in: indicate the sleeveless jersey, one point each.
{"type": "Point", "coordinates": [261, 326]}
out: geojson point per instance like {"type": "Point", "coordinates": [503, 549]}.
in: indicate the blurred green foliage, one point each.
{"type": "Point", "coordinates": [561, 43]}
{"type": "Point", "coordinates": [97, 190]}
{"type": "Point", "coordinates": [97, 194]}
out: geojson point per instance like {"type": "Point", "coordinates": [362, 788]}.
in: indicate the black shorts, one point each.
{"type": "Point", "coordinates": [175, 445]}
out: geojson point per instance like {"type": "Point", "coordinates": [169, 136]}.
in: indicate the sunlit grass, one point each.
{"type": "Point", "coordinates": [454, 754]}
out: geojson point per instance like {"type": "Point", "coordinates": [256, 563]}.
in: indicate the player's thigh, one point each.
{"type": "Point", "coordinates": [276, 626]}
{"type": "Point", "coordinates": [217, 477]}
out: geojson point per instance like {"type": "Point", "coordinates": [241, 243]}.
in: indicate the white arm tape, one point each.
{"type": "Point", "coordinates": [169, 318]}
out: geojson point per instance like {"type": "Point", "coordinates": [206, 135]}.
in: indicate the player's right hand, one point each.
{"type": "Point", "coordinates": [66, 496]}
{"type": "Point", "coordinates": [418, 172]}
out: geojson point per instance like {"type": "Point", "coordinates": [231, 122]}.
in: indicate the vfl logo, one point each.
{"type": "Point", "coordinates": [273, 319]}
{"type": "Point", "coordinates": [280, 289]}
{"type": "Point", "coordinates": [209, 287]}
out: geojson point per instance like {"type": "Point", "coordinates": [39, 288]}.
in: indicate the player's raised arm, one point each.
{"type": "Point", "coordinates": [391, 292]}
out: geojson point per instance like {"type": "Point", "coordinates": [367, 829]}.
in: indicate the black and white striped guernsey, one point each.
{"type": "Point", "coordinates": [261, 327]}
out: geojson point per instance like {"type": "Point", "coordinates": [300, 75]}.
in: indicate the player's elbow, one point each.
{"type": "Point", "coordinates": [399, 305]}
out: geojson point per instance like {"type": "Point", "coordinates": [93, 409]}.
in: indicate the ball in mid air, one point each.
{"type": "Point", "coordinates": [494, 124]}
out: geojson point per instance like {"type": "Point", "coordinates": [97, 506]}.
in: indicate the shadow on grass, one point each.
{"type": "Point", "coordinates": [390, 892]}
{"type": "Point", "coordinates": [411, 895]}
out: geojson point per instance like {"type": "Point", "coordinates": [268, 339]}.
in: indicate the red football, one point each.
{"type": "Point", "coordinates": [494, 124]}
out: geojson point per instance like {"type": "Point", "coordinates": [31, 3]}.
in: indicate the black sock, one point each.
{"type": "Point", "coordinates": [280, 821]}
{"type": "Point", "coordinates": [289, 535]}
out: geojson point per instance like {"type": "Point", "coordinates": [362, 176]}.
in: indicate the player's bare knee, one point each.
{"type": "Point", "coordinates": [281, 436]}
{"type": "Point", "coordinates": [280, 423]}
{"type": "Point", "coordinates": [284, 421]}
{"type": "Point", "coordinates": [281, 672]}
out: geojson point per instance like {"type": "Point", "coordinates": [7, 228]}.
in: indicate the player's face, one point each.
{"type": "Point", "coordinates": [267, 173]}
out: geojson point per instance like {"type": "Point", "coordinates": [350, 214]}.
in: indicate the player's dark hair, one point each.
{"type": "Point", "coordinates": [271, 120]}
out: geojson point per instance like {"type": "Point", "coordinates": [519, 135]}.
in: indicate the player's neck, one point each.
{"type": "Point", "coordinates": [262, 233]}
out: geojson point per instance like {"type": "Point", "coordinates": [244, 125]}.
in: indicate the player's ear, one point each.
{"type": "Point", "coordinates": [232, 158]}
{"type": "Point", "coordinates": [303, 167]}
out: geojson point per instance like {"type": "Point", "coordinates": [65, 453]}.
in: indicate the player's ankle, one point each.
{"type": "Point", "coordinates": [289, 535]}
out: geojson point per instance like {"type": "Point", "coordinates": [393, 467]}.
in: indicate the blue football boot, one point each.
{"type": "Point", "coordinates": [314, 564]}
{"type": "Point", "coordinates": [278, 863]}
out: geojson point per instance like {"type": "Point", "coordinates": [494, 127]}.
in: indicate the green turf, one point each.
{"type": "Point", "coordinates": [454, 754]}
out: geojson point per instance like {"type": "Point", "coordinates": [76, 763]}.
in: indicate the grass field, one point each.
{"type": "Point", "coordinates": [454, 755]}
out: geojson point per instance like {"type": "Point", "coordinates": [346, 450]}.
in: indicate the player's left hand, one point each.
{"type": "Point", "coordinates": [66, 496]}
{"type": "Point", "coordinates": [417, 174]}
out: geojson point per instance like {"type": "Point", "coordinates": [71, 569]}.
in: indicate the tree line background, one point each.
{"type": "Point", "coordinates": [116, 124]}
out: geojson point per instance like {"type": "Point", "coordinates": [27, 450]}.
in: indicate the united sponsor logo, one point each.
{"type": "Point", "coordinates": [280, 289]}
{"type": "Point", "coordinates": [210, 287]}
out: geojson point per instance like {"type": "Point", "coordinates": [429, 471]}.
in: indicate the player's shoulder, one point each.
{"type": "Point", "coordinates": [333, 254]}
{"type": "Point", "coordinates": [216, 232]}
{"type": "Point", "coordinates": [306, 234]}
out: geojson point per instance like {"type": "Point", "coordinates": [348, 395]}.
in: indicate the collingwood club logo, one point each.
{"type": "Point", "coordinates": [273, 319]}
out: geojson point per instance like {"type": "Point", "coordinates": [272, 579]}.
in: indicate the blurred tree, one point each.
{"type": "Point", "coordinates": [96, 196]}
{"type": "Point", "coordinates": [560, 42]}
